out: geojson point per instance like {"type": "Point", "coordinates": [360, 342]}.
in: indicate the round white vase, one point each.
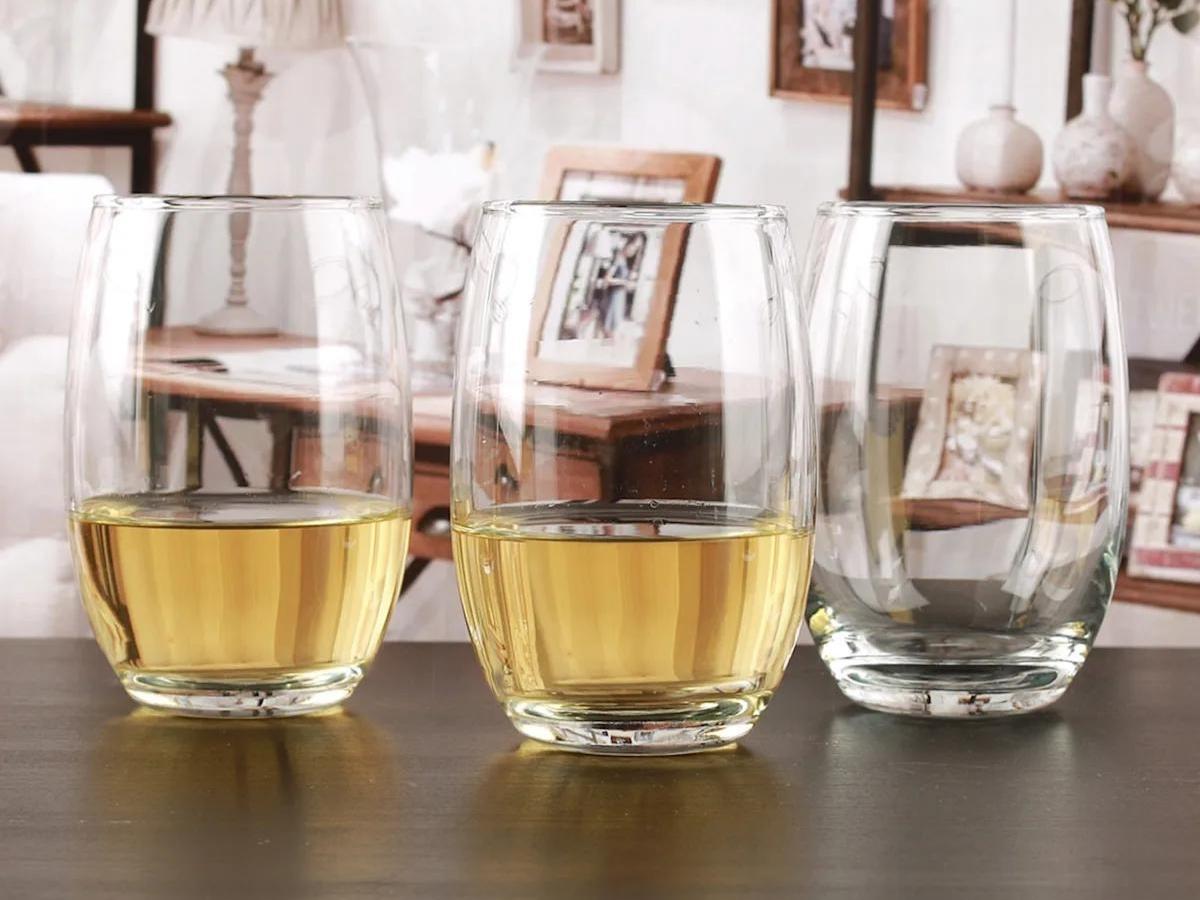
{"type": "Point", "coordinates": [998, 153]}
{"type": "Point", "coordinates": [1145, 111]}
{"type": "Point", "coordinates": [1092, 154]}
{"type": "Point", "coordinates": [1186, 170]}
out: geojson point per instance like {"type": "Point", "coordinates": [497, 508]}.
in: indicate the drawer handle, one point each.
{"type": "Point", "coordinates": [505, 478]}
{"type": "Point", "coordinates": [435, 522]}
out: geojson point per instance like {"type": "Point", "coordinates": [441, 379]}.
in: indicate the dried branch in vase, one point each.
{"type": "Point", "coordinates": [1143, 18]}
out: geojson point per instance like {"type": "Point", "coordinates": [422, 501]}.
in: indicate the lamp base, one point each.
{"type": "Point", "coordinates": [240, 321]}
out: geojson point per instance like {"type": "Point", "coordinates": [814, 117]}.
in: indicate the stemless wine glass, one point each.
{"type": "Point", "coordinates": [238, 445]}
{"type": "Point", "coordinates": [971, 390]}
{"type": "Point", "coordinates": [632, 527]}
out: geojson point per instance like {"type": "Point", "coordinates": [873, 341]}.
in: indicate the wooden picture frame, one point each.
{"type": "Point", "coordinates": [622, 344]}
{"type": "Point", "coordinates": [936, 468]}
{"type": "Point", "coordinates": [588, 38]}
{"type": "Point", "coordinates": [698, 173]}
{"type": "Point", "coordinates": [1161, 546]}
{"type": "Point", "coordinates": [903, 61]}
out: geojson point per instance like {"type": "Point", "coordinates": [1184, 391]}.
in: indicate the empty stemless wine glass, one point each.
{"type": "Point", "coordinates": [238, 445]}
{"type": "Point", "coordinates": [632, 469]}
{"type": "Point", "coordinates": [971, 391]}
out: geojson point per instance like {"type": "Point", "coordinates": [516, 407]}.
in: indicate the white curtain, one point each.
{"type": "Point", "coordinates": [68, 51]}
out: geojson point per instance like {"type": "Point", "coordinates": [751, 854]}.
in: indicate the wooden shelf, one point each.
{"type": "Point", "coordinates": [1180, 218]}
{"type": "Point", "coordinates": [46, 124]}
{"type": "Point", "coordinates": [1153, 592]}
{"type": "Point", "coordinates": [938, 515]}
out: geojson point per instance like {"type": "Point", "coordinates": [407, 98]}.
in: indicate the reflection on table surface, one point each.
{"type": "Point", "coordinates": [323, 803]}
{"type": "Point", "coordinates": [632, 824]}
{"type": "Point", "coordinates": [421, 789]}
{"type": "Point", "coordinates": [189, 802]}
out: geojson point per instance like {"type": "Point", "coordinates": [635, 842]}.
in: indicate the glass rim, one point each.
{"type": "Point", "coordinates": [637, 210]}
{"type": "Point", "coordinates": [263, 202]}
{"type": "Point", "coordinates": [963, 212]}
{"type": "Point", "coordinates": [358, 40]}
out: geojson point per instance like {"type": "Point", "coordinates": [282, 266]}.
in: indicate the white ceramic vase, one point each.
{"type": "Point", "coordinates": [1092, 154]}
{"type": "Point", "coordinates": [1186, 170]}
{"type": "Point", "coordinates": [1145, 111]}
{"type": "Point", "coordinates": [998, 153]}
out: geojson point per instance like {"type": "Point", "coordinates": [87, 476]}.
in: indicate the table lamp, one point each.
{"type": "Point", "coordinates": [248, 25]}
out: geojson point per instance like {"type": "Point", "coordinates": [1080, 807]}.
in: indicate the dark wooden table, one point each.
{"type": "Point", "coordinates": [421, 789]}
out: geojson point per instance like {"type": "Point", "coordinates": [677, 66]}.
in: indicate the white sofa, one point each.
{"type": "Point", "coordinates": [43, 220]}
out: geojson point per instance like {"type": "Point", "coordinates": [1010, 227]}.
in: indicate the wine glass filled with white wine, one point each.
{"type": "Point", "coordinates": [631, 469]}
{"type": "Point", "coordinates": [239, 450]}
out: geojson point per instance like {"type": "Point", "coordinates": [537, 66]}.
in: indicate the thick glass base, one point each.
{"type": "Point", "coordinates": [207, 695]}
{"type": "Point", "coordinates": [971, 685]}
{"type": "Point", "coordinates": [662, 731]}
{"type": "Point", "coordinates": [953, 691]}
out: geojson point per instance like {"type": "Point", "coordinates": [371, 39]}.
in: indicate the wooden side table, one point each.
{"type": "Point", "coordinates": [592, 443]}
{"type": "Point", "coordinates": [28, 125]}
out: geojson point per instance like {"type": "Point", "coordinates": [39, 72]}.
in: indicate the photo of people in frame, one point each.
{"type": "Point", "coordinates": [605, 293]}
{"type": "Point", "coordinates": [601, 295]}
{"type": "Point", "coordinates": [827, 33]}
{"type": "Point", "coordinates": [603, 290]}
{"type": "Point", "coordinates": [567, 22]}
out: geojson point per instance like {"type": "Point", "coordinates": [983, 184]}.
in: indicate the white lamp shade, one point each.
{"type": "Point", "coordinates": [280, 24]}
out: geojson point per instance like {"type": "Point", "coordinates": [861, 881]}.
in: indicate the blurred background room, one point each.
{"type": "Point", "coordinates": [436, 106]}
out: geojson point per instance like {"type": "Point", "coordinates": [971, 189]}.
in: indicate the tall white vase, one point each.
{"type": "Point", "coordinates": [998, 153]}
{"type": "Point", "coordinates": [1092, 154]}
{"type": "Point", "coordinates": [1145, 111]}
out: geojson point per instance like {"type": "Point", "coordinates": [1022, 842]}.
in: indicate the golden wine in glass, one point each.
{"type": "Point", "coordinates": [240, 492]}
{"type": "Point", "coordinates": [633, 542]}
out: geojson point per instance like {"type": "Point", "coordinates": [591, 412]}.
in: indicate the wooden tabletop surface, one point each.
{"type": "Point", "coordinates": [421, 789]}
{"type": "Point", "coordinates": [174, 353]}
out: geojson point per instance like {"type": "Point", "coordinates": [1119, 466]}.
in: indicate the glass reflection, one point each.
{"type": "Point", "coordinates": [189, 802]}
{"type": "Point", "coordinates": [985, 804]}
{"type": "Point", "coordinates": [542, 818]}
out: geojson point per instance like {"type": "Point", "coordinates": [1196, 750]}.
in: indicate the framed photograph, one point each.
{"type": "Point", "coordinates": [604, 301]}
{"type": "Point", "coordinates": [620, 175]}
{"type": "Point", "coordinates": [812, 51]}
{"type": "Point", "coordinates": [1166, 529]}
{"type": "Point", "coordinates": [570, 35]}
{"type": "Point", "coordinates": [975, 428]}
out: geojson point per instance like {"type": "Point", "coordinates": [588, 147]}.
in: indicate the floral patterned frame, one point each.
{"type": "Point", "coordinates": [925, 454]}
{"type": "Point", "coordinates": [1151, 553]}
